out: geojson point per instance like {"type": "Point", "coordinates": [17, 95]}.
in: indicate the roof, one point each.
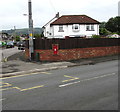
{"type": "Point", "coordinates": [48, 22]}
{"type": "Point", "coordinates": [56, 17]}
{"type": "Point", "coordinates": [74, 19]}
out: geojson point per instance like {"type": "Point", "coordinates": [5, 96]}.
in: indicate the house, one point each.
{"type": "Point", "coordinates": [71, 26]}
{"type": "Point", "coordinates": [3, 36]}
{"type": "Point", "coordinates": [47, 28]}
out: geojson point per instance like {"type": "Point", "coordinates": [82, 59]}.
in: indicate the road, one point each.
{"type": "Point", "coordinates": [87, 87]}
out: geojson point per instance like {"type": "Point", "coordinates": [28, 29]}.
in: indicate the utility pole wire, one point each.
{"type": "Point", "coordinates": [52, 6]}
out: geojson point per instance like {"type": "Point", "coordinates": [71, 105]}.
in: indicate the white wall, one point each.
{"type": "Point", "coordinates": [68, 31]}
{"type": "Point", "coordinates": [47, 31]}
{"type": "Point", "coordinates": [47, 28]}
{"type": "Point", "coordinates": [57, 34]}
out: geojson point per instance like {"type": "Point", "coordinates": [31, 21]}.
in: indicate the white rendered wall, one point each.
{"type": "Point", "coordinates": [68, 31]}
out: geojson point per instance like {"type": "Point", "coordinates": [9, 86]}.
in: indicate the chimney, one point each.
{"type": "Point", "coordinates": [57, 15]}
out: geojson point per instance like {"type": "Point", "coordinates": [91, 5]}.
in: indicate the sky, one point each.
{"type": "Point", "coordinates": [119, 8]}
{"type": "Point", "coordinates": [11, 11]}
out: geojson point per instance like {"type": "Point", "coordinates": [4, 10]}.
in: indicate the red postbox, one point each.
{"type": "Point", "coordinates": [55, 49]}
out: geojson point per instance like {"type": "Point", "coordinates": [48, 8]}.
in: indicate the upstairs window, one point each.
{"type": "Point", "coordinates": [90, 28]}
{"type": "Point", "coordinates": [60, 28]}
{"type": "Point", "coordinates": [76, 27]}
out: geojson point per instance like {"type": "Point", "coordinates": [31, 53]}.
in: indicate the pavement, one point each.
{"type": "Point", "coordinates": [18, 65]}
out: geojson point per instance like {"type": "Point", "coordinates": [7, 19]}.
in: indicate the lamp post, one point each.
{"type": "Point", "coordinates": [31, 49]}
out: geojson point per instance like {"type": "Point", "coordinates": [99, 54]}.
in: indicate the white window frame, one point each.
{"type": "Point", "coordinates": [60, 28]}
{"type": "Point", "coordinates": [87, 27]}
{"type": "Point", "coordinates": [76, 27]}
{"type": "Point", "coordinates": [90, 28]}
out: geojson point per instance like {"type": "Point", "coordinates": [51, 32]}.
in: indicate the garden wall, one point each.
{"type": "Point", "coordinates": [73, 49]}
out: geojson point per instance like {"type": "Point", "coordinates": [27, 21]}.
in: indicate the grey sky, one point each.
{"type": "Point", "coordinates": [119, 8]}
{"type": "Point", "coordinates": [11, 11]}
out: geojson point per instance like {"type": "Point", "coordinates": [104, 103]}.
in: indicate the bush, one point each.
{"type": "Point", "coordinates": [104, 31]}
{"type": "Point", "coordinates": [96, 36]}
{"type": "Point", "coordinates": [38, 35]}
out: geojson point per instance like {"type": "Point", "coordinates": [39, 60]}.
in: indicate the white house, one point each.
{"type": "Point", "coordinates": [71, 26]}
{"type": "Point", "coordinates": [47, 28]}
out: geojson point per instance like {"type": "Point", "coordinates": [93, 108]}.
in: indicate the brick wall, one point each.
{"type": "Point", "coordinates": [74, 54]}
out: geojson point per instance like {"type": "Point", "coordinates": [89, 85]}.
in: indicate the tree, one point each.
{"type": "Point", "coordinates": [104, 31]}
{"type": "Point", "coordinates": [113, 24]}
{"type": "Point", "coordinates": [17, 38]}
{"type": "Point", "coordinates": [102, 24]}
{"type": "Point", "coordinates": [37, 35]}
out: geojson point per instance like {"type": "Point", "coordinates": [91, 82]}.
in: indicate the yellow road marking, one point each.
{"type": "Point", "coordinates": [9, 87]}
{"type": "Point", "coordinates": [25, 75]}
{"type": "Point", "coordinates": [46, 72]}
{"type": "Point", "coordinates": [21, 88]}
{"type": "Point", "coordinates": [6, 89]}
{"type": "Point", "coordinates": [31, 88]}
{"type": "Point", "coordinates": [5, 84]}
{"type": "Point", "coordinates": [17, 88]}
{"type": "Point", "coordinates": [72, 78]}
{"type": "Point", "coordinates": [28, 88]}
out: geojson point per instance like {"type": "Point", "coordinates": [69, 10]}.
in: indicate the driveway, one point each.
{"type": "Point", "coordinates": [8, 52]}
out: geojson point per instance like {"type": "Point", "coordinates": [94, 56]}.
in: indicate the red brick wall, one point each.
{"type": "Point", "coordinates": [74, 54]}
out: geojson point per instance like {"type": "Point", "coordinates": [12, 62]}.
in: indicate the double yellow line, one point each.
{"type": "Point", "coordinates": [25, 75]}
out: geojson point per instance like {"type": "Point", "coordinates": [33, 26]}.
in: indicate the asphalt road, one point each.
{"type": "Point", "coordinates": [88, 87]}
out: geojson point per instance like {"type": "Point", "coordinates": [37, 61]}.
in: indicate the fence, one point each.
{"type": "Point", "coordinates": [46, 44]}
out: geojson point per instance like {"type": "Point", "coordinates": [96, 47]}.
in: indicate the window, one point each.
{"type": "Point", "coordinates": [90, 28]}
{"type": "Point", "coordinates": [61, 28]}
{"type": "Point", "coordinates": [76, 27]}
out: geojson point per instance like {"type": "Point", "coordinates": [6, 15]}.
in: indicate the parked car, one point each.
{"type": "Point", "coordinates": [2, 44]}
{"type": "Point", "coordinates": [10, 44]}
{"type": "Point", "coordinates": [21, 45]}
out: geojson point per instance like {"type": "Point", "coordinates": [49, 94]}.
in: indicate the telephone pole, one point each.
{"type": "Point", "coordinates": [31, 49]}
{"type": "Point", "coordinates": [14, 35]}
